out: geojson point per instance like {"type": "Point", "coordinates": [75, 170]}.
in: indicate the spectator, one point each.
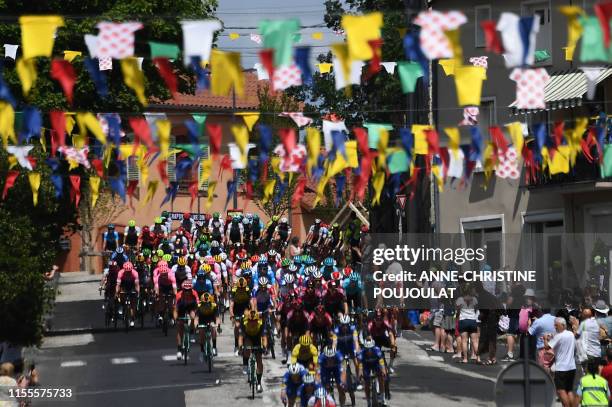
{"type": "Point", "coordinates": [7, 381]}
{"type": "Point", "coordinates": [12, 354]}
{"type": "Point", "coordinates": [513, 325]}
{"type": "Point", "coordinates": [588, 332]}
{"type": "Point", "coordinates": [488, 305]}
{"type": "Point", "coordinates": [593, 389]}
{"type": "Point", "coordinates": [294, 247]}
{"type": "Point", "coordinates": [543, 325]}
{"type": "Point", "coordinates": [468, 324]}
{"type": "Point", "coordinates": [604, 319]}
{"type": "Point", "coordinates": [525, 318]}
{"type": "Point", "coordinates": [606, 372]}
{"type": "Point", "coordinates": [563, 344]}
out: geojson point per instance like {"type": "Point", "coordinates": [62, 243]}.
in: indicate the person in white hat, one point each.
{"type": "Point", "coordinates": [602, 311]}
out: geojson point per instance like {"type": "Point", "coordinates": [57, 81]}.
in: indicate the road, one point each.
{"type": "Point", "coordinates": [140, 367]}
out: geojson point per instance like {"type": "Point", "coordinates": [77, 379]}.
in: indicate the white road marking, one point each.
{"type": "Point", "coordinates": [123, 361]}
{"type": "Point", "coordinates": [422, 343]}
{"type": "Point", "coordinates": [63, 341]}
{"type": "Point", "coordinates": [423, 357]}
{"type": "Point", "coordinates": [73, 363]}
{"type": "Point", "coordinates": [168, 358]}
{"type": "Point", "coordinates": [437, 358]}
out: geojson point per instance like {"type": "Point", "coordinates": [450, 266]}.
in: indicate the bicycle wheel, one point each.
{"type": "Point", "coordinates": [374, 391]}
{"type": "Point", "coordinates": [209, 354]}
{"type": "Point", "coordinates": [349, 382]}
{"type": "Point", "coordinates": [185, 343]}
{"type": "Point", "coordinates": [253, 375]}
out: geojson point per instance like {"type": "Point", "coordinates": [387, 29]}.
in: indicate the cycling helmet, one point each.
{"type": "Point", "coordinates": [317, 221]}
{"type": "Point", "coordinates": [111, 226]}
{"type": "Point", "coordinates": [119, 250]}
{"type": "Point", "coordinates": [235, 219]}
{"type": "Point", "coordinates": [347, 271]}
{"type": "Point", "coordinates": [187, 215]}
{"type": "Point", "coordinates": [187, 285]}
{"type": "Point", "coordinates": [295, 369]}
{"type": "Point", "coordinates": [310, 260]}
{"type": "Point", "coordinates": [354, 276]}
{"type": "Point", "coordinates": [275, 218]}
{"type": "Point", "coordinates": [245, 221]}
{"type": "Point", "coordinates": [263, 261]}
{"type": "Point", "coordinates": [345, 320]}
{"type": "Point", "coordinates": [160, 253]}
{"type": "Point", "coordinates": [154, 258]}
{"type": "Point", "coordinates": [308, 379]}
{"type": "Point", "coordinates": [218, 258]}
{"type": "Point", "coordinates": [146, 252]}
{"type": "Point", "coordinates": [132, 223]}
{"type": "Point", "coordinates": [162, 263]}
{"type": "Point", "coordinates": [335, 276]}
{"type": "Point", "coordinates": [263, 281]}
{"type": "Point", "coordinates": [242, 283]}
{"type": "Point", "coordinates": [164, 214]}
{"type": "Point", "coordinates": [249, 216]}
{"type": "Point", "coordinates": [289, 279]}
{"type": "Point", "coordinates": [182, 261]}
{"type": "Point", "coordinates": [254, 258]}
{"type": "Point", "coordinates": [316, 274]}
{"type": "Point", "coordinates": [272, 253]}
{"type": "Point", "coordinates": [158, 220]}
{"type": "Point", "coordinates": [329, 261]}
{"type": "Point", "coordinates": [329, 351]}
{"type": "Point", "coordinates": [206, 268]}
{"type": "Point", "coordinates": [320, 393]}
{"type": "Point", "coordinates": [140, 257]}
{"type": "Point", "coordinates": [284, 220]}
{"type": "Point", "coordinates": [223, 256]}
{"type": "Point", "coordinates": [206, 298]}
{"type": "Point", "coordinates": [293, 268]}
{"type": "Point", "coordinates": [210, 260]}
{"type": "Point", "coordinates": [335, 225]}
{"type": "Point", "coordinates": [216, 215]}
{"type": "Point", "coordinates": [245, 265]}
{"type": "Point", "coordinates": [369, 343]}
{"type": "Point", "coordinates": [297, 259]}
{"type": "Point", "coordinates": [128, 266]}
{"type": "Point", "coordinates": [305, 340]}
{"type": "Point", "coordinates": [167, 257]}
{"type": "Point", "coordinates": [286, 262]}
{"type": "Point", "coordinates": [214, 243]}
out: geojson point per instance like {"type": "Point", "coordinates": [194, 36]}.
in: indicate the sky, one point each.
{"type": "Point", "coordinates": [242, 17]}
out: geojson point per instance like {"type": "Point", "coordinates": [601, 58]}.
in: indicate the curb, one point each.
{"type": "Point", "coordinates": [92, 330]}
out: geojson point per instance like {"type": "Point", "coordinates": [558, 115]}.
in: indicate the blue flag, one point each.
{"type": "Point", "coordinates": [5, 91]}
{"type": "Point", "coordinates": [302, 58]}
{"type": "Point", "coordinates": [97, 76]}
{"type": "Point", "coordinates": [31, 124]}
{"type": "Point", "coordinates": [231, 190]}
{"type": "Point", "coordinates": [407, 139]}
{"type": "Point", "coordinates": [58, 183]}
{"type": "Point", "coordinates": [413, 51]}
{"type": "Point", "coordinates": [476, 145]}
{"type": "Point", "coordinates": [202, 80]}
{"type": "Point", "coordinates": [340, 182]}
{"type": "Point", "coordinates": [265, 142]}
{"type": "Point", "coordinates": [170, 193]}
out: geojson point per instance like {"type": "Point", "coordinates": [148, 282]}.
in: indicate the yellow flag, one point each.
{"type": "Point", "coordinates": [241, 135]}
{"type": "Point", "coordinates": [516, 134]}
{"type": "Point", "coordinates": [12, 161]}
{"type": "Point", "coordinates": [7, 123]}
{"type": "Point", "coordinates": [205, 170]}
{"type": "Point", "coordinates": [275, 165]}
{"type": "Point", "coordinates": [87, 121]}
{"type": "Point", "coordinates": [211, 193]}
{"type": "Point", "coordinates": [559, 164]}
{"type": "Point", "coordinates": [226, 73]}
{"type": "Point", "coordinates": [71, 55]}
{"type": "Point", "coordinates": [134, 78]}
{"type": "Point", "coordinates": [341, 52]}
{"type": "Point", "coordinates": [320, 189]}
{"type": "Point", "coordinates": [143, 168]}
{"type": "Point", "coordinates": [70, 122]}
{"type": "Point", "coordinates": [42, 140]}
{"type": "Point", "coordinates": [455, 43]}
{"type": "Point", "coordinates": [359, 30]}
{"type": "Point", "coordinates": [163, 134]}
{"type": "Point", "coordinates": [313, 141]}
{"type": "Point", "coordinates": [250, 118]}
{"type": "Point", "coordinates": [34, 178]}
{"type": "Point", "coordinates": [453, 140]}
{"type": "Point", "coordinates": [26, 70]}
{"type": "Point", "coordinates": [151, 188]}
{"type": "Point", "coordinates": [234, 36]}
{"type": "Point", "coordinates": [94, 185]}
{"type": "Point", "coordinates": [317, 35]}
{"type": "Point", "coordinates": [325, 67]}
{"type": "Point", "coordinates": [378, 182]}
{"type": "Point", "coordinates": [383, 141]}
{"type": "Point", "coordinates": [340, 163]}
{"type": "Point", "coordinates": [420, 140]}
{"type": "Point", "coordinates": [574, 137]}
{"type": "Point", "coordinates": [574, 28]}
{"type": "Point", "coordinates": [489, 161]}
{"type": "Point", "coordinates": [38, 35]}
{"type": "Point", "coordinates": [268, 190]}
{"type": "Point", "coordinates": [448, 65]}
{"type": "Point", "coordinates": [437, 173]}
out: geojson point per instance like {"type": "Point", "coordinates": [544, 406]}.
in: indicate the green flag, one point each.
{"type": "Point", "coordinates": [374, 132]}
{"type": "Point", "coordinates": [398, 162]}
{"type": "Point", "coordinates": [606, 165]}
{"type": "Point", "coordinates": [280, 36]}
{"type": "Point", "coordinates": [164, 50]}
{"type": "Point", "coordinates": [409, 72]}
{"type": "Point", "coordinates": [199, 118]}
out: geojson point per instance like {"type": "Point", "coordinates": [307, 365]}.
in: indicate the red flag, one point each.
{"type": "Point", "coordinates": [193, 191]}
{"type": "Point", "coordinates": [492, 40]}
{"type": "Point", "coordinates": [58, 133]}
{"type": "Point", "coordinates": [588, 143]}
{"type": "Point", "coordinates": [558, 132]}
{"type": "Point", "coordinates": [167, 74]}
{"type": "Point", "coordinates": [299, 192]}
{"type": "Point", "coordinates": [266, 56]}
{"type": "Point", "coordinates": [249, 192]}
{"type": "Point", "coordinates": [498, 139]}
{"type": "Point", "coordinates": [32, 161]}
{"type": "Point", "coordinates": [163, 173]}
{"type": "Point", "coordinates": [131, 189]}
{"type": "Point", "coordinates": [433, 141]}
{"type": "Point", "coordinates": [445, 158]}
{"type": "Point", "coordinates": [374, 66]}
{"type": "Point", "coordinates": [11, 177]}
{"type": "Point", "coordinates": [361, 135]}
{"type": "Point", "coordinates": [530, 165]}
{"type": "Point", "coordinates": [63, 72]}
{"type": "Point", "coordinates": [604, 13]}
{"type": "Point", "coordinates": [75, 191]}
{"type": "Point", "coordinates": [214, 135]}
{"type": "Point", "coordinates": [142, 133]}
{"type": "Point", "coordinates": [364, 176]}
{"type": "Point", "coordinates": [98, 166]}
{"type": "Point", "coordinates": [226, 164]}
{"type": "Point", "coordinates": [287, 137]}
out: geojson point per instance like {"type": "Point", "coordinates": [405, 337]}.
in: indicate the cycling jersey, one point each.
{"type": "Point", "coordinates": [241, 296]}
{"type": "Point", "coordinates": [127, 279]}
{"type": "Point", "coordinates": [352, 288]}
{"type": "Point", "coordinates": [290, 386]}
{"type": "Point", "coordinates": [327, 271]}
{"type": "Point", "coordinates": [259, 272]}
{"type": "Point", "coordinates": [207, 313]}
{"type": "Point", "coordinates": [235, 231]}
{"type": "Point", "coordinates": [379, 328]}
{"type": "Point", "coordinates": [315, 402]}
{"type": "Point", "coordinates": [181, 273]}
{"type": "Point", "coordinates": [334, 301]}
{"type": "Point", "coordinates": [203, 286]}
{"type": "Point", "coordinates": [371, 360]}
{"type": "Point", "coordinates": [305, 392]}
{"type": "Point", "coordinates": [330, 367]}
{"type": "Point", "coordinates": [283, 230]}
{"type": "Point", "coordinates": [263, 298]}
{"type": "Point", "coordinates": [111, 240]}
{"type": "Point", "coordinates": [253, 329]}
{"type": "Point", "coordinates": [304, 354]}
{"type": "Point", "coordinates": [130, 235]}
{"type": "Point", "coordinates": [346, 336]}
{"type": "Point", "coordinates": [120, 258]}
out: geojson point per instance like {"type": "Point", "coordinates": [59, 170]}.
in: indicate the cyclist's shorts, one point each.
{"type": "Point", "coordinates": [326, 376]}
{"type": "Point", "coordinates": [367, 371]}
{"type": "Point", "coordinates": [128, 286]}
{"type": "Point", "coordinates": [206, 319]}
{"type": "Point", "coordinates": [292, 391]}
{"type": "Point", "coordinates": [165, 289]}
{"type": "Point", "coordinates": [240, 308]}
{"type": "Point", "coordinates": [382, 341]}
{"type": "Point", "coordinates": [252, 341]}
{"type": "Point", "coordinates": [186, 307]}
{"type": "Point", "coordinates": [354, 300]}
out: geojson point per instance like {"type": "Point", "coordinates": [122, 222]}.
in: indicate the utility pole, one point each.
{"type": "Point", "coordinates": [234, 172]}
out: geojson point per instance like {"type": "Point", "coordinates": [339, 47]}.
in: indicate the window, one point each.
{"type": "Point", "coordinates": [485, 232]}
{"type": "Point", "coordinates": [541, 244]}
{"type": "Point", "coordinates": [482, 13]}
{"type": "Point", "coordinates": [544, 36]}
{"type": "Point", "coordinates": [487, 116]}
{"type": "Point", "coordinates": [133, 174]}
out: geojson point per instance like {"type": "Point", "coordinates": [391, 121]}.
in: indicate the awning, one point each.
{"type": "Point", "coordinates": [564, 90]}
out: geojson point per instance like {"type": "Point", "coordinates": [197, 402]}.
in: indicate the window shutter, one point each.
{"type": "Point", "coordinates": [133, 174]}
{"type": "Point", "coordinates": [205, 155]}
{"type": "Point", "coordinates": [171, 162]}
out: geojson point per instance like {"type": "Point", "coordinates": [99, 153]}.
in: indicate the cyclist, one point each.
{"type": "Point", "coordinates": [345, 338]}
{"type": "Point", "coordinates": [235, 231]}
{"type": "Point", "coordinates": [216, 226]}
{"type": "Point", "coordinates": [127, 284]}
{"type": "Point", "coordinates": [181, 271]}
{"type": "Point", "coordinates": [164, 285]}
{"type": "Point", "coordinates": [292, 381]}
{"type": "Point", "coordinates": [130, 234]}
{"type": "Point", "coordinates": [251, 335]}
{"type": "Point", "coordinates": [262, 269]}
{"type": "Point", "coordinates": [203, 281]}
{"type": "Point", "coordinates": [239, 302]}
{"type": "Point", "coordinates": [256, 227]}
{"type": "Point", "coordinates": [110, 238]}
{"type": "Point", "coordinates": [271, 228]}
{"type": "Point", "coordinates": [334, 238]}
{"type": "Point", "coordinates": [371, 362]}
{"type": "Point", "coordinates": [306, 390]}
{"type": "Point", "coordinates": [119, 256]}
{"type": "Point", "coordinates": [282, 232]}
{"type": "Point", "coordinates": [329, 267]}
{"type": "Point", "coordinates": [305, 353]}
{"type": "Point", "coordinates": [334, 300]}
{"type": "Point", "coordinates": [247, 231]}
{"type": "Point", "coordinates": [159, 227]}
{"type": "Point", "coordinates": [316, 234]}
{"type": "Point", "coordinates": [354, 291]}
{"type": "Point", "coordinates": [382, 333]}
{"type": "Point", "coordinates": [208, 314]}
{"type": "Point", "coordinates": [263, 301]}
{"type": "Point", "coordinates": [320, 325]}
{"type": "Point", "coordinates": [187, 301]}
{"type": "Point", "coordinates": [146, 239]}
{"type": "Point", "coordinates": [187, 223]}
{"type": "Point", "coordinates": [109, 282]}
{"type": "Point", "coordinates": [321, 398]}
{"type": "Point", "coordinates": [330, 366]}
{"type": "Point", "coordinates": [297, 324]}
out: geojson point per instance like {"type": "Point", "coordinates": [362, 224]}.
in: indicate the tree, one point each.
{"type": "Point", "coordinates": [30, 234]}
